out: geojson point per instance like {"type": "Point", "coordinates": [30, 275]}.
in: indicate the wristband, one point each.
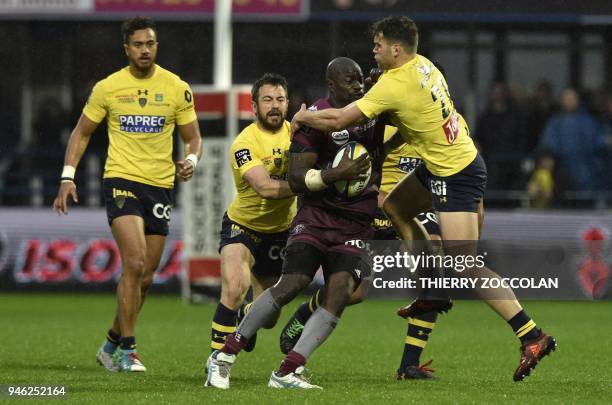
{"type": "Point", "coordinates": [68, 174]}
{"type": "Point", "coordinates": [193, 159]}
{"type": "Point", "coordinates": [314, 180]}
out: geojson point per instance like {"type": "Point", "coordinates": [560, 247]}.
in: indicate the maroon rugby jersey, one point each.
{"type": "Point", "coordinates": [326, 144]}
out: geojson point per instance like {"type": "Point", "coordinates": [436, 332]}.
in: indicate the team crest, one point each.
{"type": "Point", "coordinates": [120, 201]}
{"type": "Point", "coordinates": [278, 162]}
{"type": "Point", "coordinates": [142, 100]}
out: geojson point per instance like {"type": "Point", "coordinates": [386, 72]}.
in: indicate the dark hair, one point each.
{"type": "Point", "coordinates": [400, 29]}
{"type": "Point", "coordinates": [134, 24]}
{"type": "Point", "coordinates": [273, 79]}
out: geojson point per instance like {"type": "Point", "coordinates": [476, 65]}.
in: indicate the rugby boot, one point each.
{"type": "Point", "coordinates": [532, 352]}
{"type": "Point", "coordinates": [421, 306]}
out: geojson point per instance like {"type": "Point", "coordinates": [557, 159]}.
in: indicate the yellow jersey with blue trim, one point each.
{"type": "Point", "coordinates": [141, 115]}
{"type": "Point", "coordinates": [254, 147]}
{"type": "Point", "coordinates": [399, 161]}
{"type": "Point", "coordinates": [416, 98]}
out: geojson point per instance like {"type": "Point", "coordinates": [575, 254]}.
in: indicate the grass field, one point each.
{"type": "Point", "coordinates": [52, 339]}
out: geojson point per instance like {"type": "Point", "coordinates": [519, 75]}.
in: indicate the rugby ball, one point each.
{"type": "Point", "coordinates": [352, 188]}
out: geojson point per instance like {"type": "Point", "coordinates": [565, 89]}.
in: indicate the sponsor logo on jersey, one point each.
{"type": "Point", "coordinates": [340, 137]}
{"type": "Point", "coordinates": [142, 100]}
{"type": "Point", "coordinates": [297, 229]}
{"type": "Point", "coordinates": [159, 97]}
{"type": "Point", "coordinates": [125, 98]}
{"type": "Point", "coordinates": [143, 124]}
{"type": "Point", "coordinates": [243, 156]}
{"type": "Point", "coordinates": [408, 164]}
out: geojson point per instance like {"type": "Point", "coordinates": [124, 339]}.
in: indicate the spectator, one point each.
{"type": "Point", "coordinates": [500, 135]}
{"type": "Point", "coordinates": [577, 140]}
{"type": "Point", "coordinates": [540, 108]}
{"type": "Point", "coordinates": [541, 183]}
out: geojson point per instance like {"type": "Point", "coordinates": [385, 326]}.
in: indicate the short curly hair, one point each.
{"type": "Point", "coordinates": [134, 24]}
{"type": "Point", "coordinates": [399, 29]}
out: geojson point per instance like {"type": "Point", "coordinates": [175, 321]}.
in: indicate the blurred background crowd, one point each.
{"type": "Point", "coordinates": [533, 81]}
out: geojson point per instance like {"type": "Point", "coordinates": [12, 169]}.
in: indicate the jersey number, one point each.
{"type": "Point", "coordinates": [440, 92]}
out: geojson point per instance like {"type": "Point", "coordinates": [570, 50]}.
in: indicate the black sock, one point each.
{"type": "Point", "coordinates": [223, 323]}
{"type": "Point", "coordinates": [113, 337]}
{"type": "Point", "coordinates": [127, 343]}
{"type": "Point", "coordinates": [308, 308]}
{"type": "Point", "coordinates": [524, 327]}
{"type": "Point", "coordinates": [417, 335]}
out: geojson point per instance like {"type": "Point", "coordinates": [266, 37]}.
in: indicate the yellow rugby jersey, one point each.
{"type": "Point", "coordinates": [417, 99]}
{"type": "Point", "coordinates": [141, 115]}
{"type": "Point", "coordinates": [254, 147]}
{"type": "Point", "coordinates": [398, 162]}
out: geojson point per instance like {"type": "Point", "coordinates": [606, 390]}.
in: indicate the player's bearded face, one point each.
{"type": "Point", "coordinates": [142, 49]}
{"type": "Point", "coordinates": [271, 107]}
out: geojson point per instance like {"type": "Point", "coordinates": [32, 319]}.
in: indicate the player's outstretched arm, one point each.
{"type": "Point", "coordinates": [79, 139]}
{"type": "Point", "coordinates": [190, 134]}
{"type": "Point", "coordinates": [266, 187]}
{"type": "Point", "coordinates": [329, 119]}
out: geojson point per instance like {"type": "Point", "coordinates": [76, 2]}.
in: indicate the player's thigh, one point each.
{"type": "Point", "coordinates": [408, 197]}
{"type": "Point", "coordinates": [128, 231]}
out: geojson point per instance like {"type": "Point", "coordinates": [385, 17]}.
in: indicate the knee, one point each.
{"type": "Point", "coordinates": [233, 292]}
{"type": "Point", "coordinates": [288, 287]}
{"type": "Point", "coordinates": [357, 297]}
{"type": "Point", "coordinates": [134, 264]}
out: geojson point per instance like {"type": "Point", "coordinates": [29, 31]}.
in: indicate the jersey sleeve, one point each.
{"type": "Point", "coordinates": [95, 108]}
{"type": "Point", "coordinates": [244, 156]}
{"type": "Point", "coordinates": [185, 111]}
{"type": "Point", "coordinates": [379, 99]}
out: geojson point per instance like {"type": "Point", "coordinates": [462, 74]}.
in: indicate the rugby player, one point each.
{"type": "Point", "coordinates": [142, 103]}
{"type": "Point", "coordinates": [329, 230]}
{"type": "Point", "coordinates": [414, 94]}
{"type": "Point", "coordinates": [400, 159]}
{"type": "Point", "coordinates": [255, 226]}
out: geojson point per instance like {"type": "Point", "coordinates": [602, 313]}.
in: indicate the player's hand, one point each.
{"type": "Point", "coordinates": [350, 169]}
{"type": "Point", "coordinates": [184, 170]}
{"type": "Point", "coordinates": [67, 189]}
{"type": "Point", "coordinates": [296, 121]}
{"type": "Point", "coordinates": [373, 76]}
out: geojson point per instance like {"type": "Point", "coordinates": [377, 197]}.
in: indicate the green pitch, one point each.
{"type": "Point", "coordinates": [52, 339]}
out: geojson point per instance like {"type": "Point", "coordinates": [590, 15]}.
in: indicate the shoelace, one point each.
{"type": "Point", "coordinates": [424, 367]}
{"type": "Point", "coordinates": [295, 328]}
{"type": "Point", "coordinates": [303, 373]}
{"type": "Point", "coordinates": [135, 358]}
